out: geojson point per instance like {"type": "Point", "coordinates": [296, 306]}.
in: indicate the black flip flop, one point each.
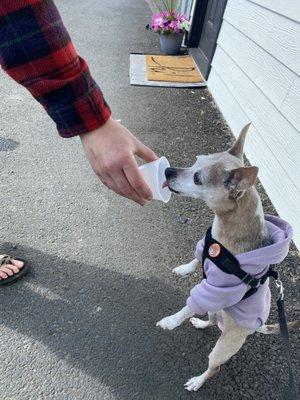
{"type": "Point", "coordinates": [15, 277]}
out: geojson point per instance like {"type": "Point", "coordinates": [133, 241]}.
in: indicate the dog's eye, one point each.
{"type": "Point", "coordinates": [197, 179]}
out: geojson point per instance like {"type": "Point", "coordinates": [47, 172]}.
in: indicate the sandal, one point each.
{"type": "Point", "coordinates": [5, 259]}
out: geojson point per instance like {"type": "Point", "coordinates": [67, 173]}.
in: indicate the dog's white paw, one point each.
{"type": "Point", "coordinates": [194, 383]}
{"type": "Point", "coordinates": [199, 323]}
{"type": "Point", "coordinates": [168, 323]}
{"type": "Point", "coordinates": [183, 270]}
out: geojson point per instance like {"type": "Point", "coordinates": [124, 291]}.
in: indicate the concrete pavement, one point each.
{"type": "Point", "coordinates": [82, 324]}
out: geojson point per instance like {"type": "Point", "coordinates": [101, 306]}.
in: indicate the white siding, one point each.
{"type": "Point", "coordinates": [255, 77]}
{"type": "Point", "coordinates": [291, 104]}
{"type": "Point", "coordinates": [276, 34]}
{"type": "Point", "coordinates": [288, 8]}
{"type": "Point", "coordinates": [269, 74]}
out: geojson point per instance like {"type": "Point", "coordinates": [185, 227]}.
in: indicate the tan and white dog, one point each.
{"type": "Point", "coordinates": [227, 187]}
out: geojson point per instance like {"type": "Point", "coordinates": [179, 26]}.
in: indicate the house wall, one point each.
{"type": "Point", "coordinates": [255, 78]}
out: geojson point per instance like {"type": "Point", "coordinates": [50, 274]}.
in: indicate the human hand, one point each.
{"type": "Point", "coordinates": [110, 150]}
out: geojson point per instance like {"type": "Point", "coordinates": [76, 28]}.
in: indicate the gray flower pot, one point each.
{"type": "Point", "coordinates": [171, 44]}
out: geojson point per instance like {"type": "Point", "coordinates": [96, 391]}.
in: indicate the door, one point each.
{"type": "Point", "coordinates": [205, 36]}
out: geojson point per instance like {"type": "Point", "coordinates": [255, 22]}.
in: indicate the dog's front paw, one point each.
{"type": "Point", "coordinates": [168, 323]}
{"type": "Point", "coordinates": [194, 383]}
{"type": "Point", "coordinates": [183, 270]}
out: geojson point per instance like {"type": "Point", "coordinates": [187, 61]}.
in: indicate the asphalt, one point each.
{"type": "Point", "coordinates": [82, 324]}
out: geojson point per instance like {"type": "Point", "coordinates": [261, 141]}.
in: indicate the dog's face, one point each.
{"type": "Point", "coordinates": [219, 179]}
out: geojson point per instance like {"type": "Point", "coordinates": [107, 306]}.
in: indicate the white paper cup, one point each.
{"type": "Point", "coordinates": [154, 175]}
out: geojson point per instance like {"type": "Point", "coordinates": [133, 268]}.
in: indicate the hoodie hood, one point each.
{"type": "Point", "coordinates": [281, 234]}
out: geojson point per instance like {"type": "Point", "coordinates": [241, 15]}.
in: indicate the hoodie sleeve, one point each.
{"type": "Point", "coordinates": [225, 291]}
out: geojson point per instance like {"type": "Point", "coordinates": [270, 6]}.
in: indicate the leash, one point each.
{"type": "Point", "coordinates": [285, 340]}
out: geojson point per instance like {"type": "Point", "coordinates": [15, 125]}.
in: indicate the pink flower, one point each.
{"type": "Point", "coordinates": [174, 26]}
{"type": "Point", "coordinates": [169, 22]}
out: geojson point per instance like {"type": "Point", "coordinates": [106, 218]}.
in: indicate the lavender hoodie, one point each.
{"type": "Point", "coordinates": [224, 291]}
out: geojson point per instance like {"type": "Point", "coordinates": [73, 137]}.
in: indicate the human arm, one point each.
{"type": "Point", "coordinates": [37, 52]}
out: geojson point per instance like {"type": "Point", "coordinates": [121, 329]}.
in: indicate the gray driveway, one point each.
{"type": "Point", "coordinates": [82, 324]}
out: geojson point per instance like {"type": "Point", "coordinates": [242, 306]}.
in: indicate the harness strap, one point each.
{"type": "Point", "coordinates": [229, 264]}
{"type": "Point", "coordinates": [268, 274]}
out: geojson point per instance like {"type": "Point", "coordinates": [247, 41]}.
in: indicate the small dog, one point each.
{"type": "Point", "coordinates": [227, 187]}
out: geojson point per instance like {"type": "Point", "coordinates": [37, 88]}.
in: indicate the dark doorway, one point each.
{"type": "Point", "coordinates": [207, 22]}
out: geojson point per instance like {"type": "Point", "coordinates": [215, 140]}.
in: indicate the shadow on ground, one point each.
{"type": "Point", "coordinates": [116, 340]}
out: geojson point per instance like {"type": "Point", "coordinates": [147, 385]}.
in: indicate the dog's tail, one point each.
{"type": "Point", "coordinates": [274, 329]}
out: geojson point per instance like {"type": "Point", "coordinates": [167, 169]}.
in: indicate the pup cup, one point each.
{"type": "Point", "coordinates": [154, 175]}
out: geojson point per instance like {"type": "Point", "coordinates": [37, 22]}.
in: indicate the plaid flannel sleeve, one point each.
{"type": "Point", "coordinates": [36, 51]}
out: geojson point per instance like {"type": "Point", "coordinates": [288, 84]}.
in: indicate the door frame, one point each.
{"type": "Point", "coordinates": [195, 36]}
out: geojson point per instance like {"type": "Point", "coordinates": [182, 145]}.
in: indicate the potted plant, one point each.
{"type": "Point", "coordinates": [169, 23]}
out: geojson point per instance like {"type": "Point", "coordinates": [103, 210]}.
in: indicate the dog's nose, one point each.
{"type": "Point", "coordinates": [170, 173]}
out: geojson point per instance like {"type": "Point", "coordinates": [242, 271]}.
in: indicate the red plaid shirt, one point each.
{"type": "Point", "coordinates": [36, 51]}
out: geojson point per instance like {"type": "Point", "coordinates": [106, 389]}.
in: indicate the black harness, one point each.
{"type": "Point", "coordinates": [227, 263]}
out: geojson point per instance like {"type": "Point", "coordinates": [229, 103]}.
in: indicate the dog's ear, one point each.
{"type": "Point", "coordinates": [240, 179]}
{"type": "Point", "coordinates": [237, 149]}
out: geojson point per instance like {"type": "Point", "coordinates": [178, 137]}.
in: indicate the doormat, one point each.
{"type": "Point", "coordinates": [138, 75]}
{"type": "Point", "coordinates": [180, 69]}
